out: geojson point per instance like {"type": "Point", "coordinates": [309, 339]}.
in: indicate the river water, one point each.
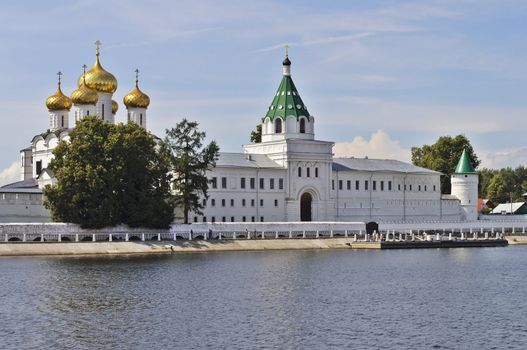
{"type": "Point", "coordinates": [328, 299]}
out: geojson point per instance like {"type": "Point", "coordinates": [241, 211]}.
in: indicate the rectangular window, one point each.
{"type": "Point", "coordinates": [410, 187]}
{"type": "Point", "coordinates": [276, 202]}
{"type": "Point", "coordinates": [212, 202]}
{"type": "Point", "coordinates": [398, 187]}
{"type": "Point", "coordinates": [425, 188]}
{"type": "Point", "coordinates": [316, 172]}
{"type": "Point", "coordinates": [204, 219]}
{"type": "Point", "coordinates": [348, 185]}
{"type": "Point", "coordinates": [299, 172]}
{"type": "Point", "coordinates": [366, 185]}
{"type": "Point", "coordinates": [223, 219]}
{"type": "Point", "coordinates": [252, 202]}
{"type": "Point", "coordinates": [213, 219]}
{"type": "Point", "coordinates": [223, 202]}
{"type": "Point", "coordinates": [252, 183]}
{"type": "Point", "coordinates": [434, 188]}
{"type": "Point", "coordinates": [340, 185]}
{"type": "Point", "coordinates": [308, 172]}
{"type": "Point", "coordinates": [405, 187]}
{"type": "Point", "coordinates": [419, 188]}
{"type": "Point", "coordinates": [280, 184]}
{"type": "Point", "coordinates": [214, 182]}
{"type": "Point", "coordinates": [242, 182]}
{"type": "Point", "coordinates": [389, 185]}
{"type": "Point", "coordinates": [382, 185]}
{"type": "Point", "coordinates": [262, 181]}
{"type": "Point", "coordinates": [374, 185]}
{"type": "Point", "coordinates": [357, 185]}
{"type": "Point", "coordinates": [223, 182]}
{"type": "Point", "coordinates": [261, 202]}
{"type": "Point", "coordinates": [243, 202]}
{"type": "Point", "coordinates": [195, 219]}
{"type": "Point", "coordinates": [243, 218]}
{"type": "Point", "coordinates": [232, 202]}
{"type": "Point", "coordinates": [333, 185]}
{"type": "Point", "coordinates": [39, 167]}
{"type": "Point", "coordinates": [252, 218]}
{"type": "Point", "coordinates": [271, 184]}
{"type": "Point", "coordinates": [204, 202]}
{"type": "Point", "coordinates": [232, 218]}
{"type": "Point", "coordinates": [261, 219]}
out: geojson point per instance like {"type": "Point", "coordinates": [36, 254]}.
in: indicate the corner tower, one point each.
{"type": "Point", "coordinates": [287, 116]}
{"type": "Point", "coordinates": [465, 186]}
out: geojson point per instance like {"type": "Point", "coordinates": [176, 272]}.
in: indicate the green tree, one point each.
{"type": "Point", "coordinates": [497, 190]}
{"type": "Point", "coordinates": [256, 134]}
{"type": "Point", "coordinates": [190, 161]}
{"type": "Point", "coordinates": [443, 156]}
{"type": "Point", "coordinates": [108, 175]}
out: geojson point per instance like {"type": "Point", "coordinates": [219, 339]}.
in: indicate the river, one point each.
{"type": "Point", "coordinates": [328, 299]}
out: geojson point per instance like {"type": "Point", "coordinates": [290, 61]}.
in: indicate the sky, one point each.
{"type": "Point", "coordinates": [378, 76]}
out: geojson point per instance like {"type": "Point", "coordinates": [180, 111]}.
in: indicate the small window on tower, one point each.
{"type": "Point", "coordinates": [62, 122]}
{"type": "Point", "coordinates": [103, 111]}
{"type": "Point", "coordinates": [278, 126]}
{"type": "Point", "coordinates": [302, 126]}
{"type": "Point", "coordinates": [141, 119]}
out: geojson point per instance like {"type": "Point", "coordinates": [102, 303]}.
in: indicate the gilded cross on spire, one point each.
{"type": "Point", "coordinates": [136, 76]}
{"type": "Point", "coordinates": [84, 73]}
{"type": "Point", "coordinates": [286, 46]}
{"type": "Point", "coordinates": [97, 46]}
{"type": "Point", "coordinates": [60, 75]}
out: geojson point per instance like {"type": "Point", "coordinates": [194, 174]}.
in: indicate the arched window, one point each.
{"type": "Point", "coordinates": [62, 121]}
{"type": "Point", "coordinates": [302, 126]}
{"type": "Point", "coordinates": [278, 126]}
{"type": "Point", "coordinates": [141, 119]}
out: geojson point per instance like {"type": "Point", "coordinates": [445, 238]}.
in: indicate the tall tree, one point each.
{"type": "Point", "coordinates": [190, 161]}
{"type": "Point", "coordinates": [497, 190]}
{"type": "Point", "coordinates": [256, 134]}
{"type": "Point", "coordinates": [110, 174]}
{"type": "Point", "coordinates": [443, 156]}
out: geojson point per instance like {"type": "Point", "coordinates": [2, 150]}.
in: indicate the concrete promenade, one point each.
{"type": "Point", "coordinates": [167, 247]}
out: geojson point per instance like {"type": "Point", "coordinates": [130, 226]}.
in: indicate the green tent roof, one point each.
{"type": "Point", "coordinates": [464, 166]}
{"type": "Point", "coordinates": [287, 101]}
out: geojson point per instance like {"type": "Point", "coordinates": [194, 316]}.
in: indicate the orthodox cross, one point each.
{"type": "Point", "coordinates": [59, 74]}
{"type": "Point", "coordinates": [136, 76]}
{"type": "Point", "coordinates": [97, 46]}
{"type": "Point", "coordinates": [286, 50]}
{"type": "Point", "coordinates": [84, 73]}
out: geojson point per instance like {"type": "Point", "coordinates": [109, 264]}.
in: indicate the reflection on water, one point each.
{"type": "Point", "coordinates": [457, 298]}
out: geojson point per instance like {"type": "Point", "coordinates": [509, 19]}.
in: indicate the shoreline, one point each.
{"type": "Point", "coordinates": [171, 247]}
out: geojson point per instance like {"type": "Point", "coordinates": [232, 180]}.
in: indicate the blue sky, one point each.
{"type": "Point", "coordinates": [379, 76]}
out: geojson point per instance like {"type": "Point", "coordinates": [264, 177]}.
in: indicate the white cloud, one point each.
{"type": "Point", "coordinates": [10, 174]}
{"type": "Point", "coordinates": [503, 158]}
{"type": "Point", "coordinates": [380, 145]}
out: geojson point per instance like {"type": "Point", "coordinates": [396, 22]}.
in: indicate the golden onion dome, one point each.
{"type": "Point", "coordinates": [98, 79]}
{"type": "Point", "coordinates": [58, 101]}
{"type": "Point", "coordinates": [136, 99]}
{"type": "Point", "coordinates": [115, 107]}
{"type": "Point", "coordinates": [84, 95]}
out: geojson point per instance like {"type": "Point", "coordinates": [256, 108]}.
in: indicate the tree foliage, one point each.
{"type": "Point", "coordinates": [189, 161]}
{"type": "Point", "coordinates": [256, 134]}
{"type": "Point", "coordinates": [499, 185]}
{"type": "Point", "coordinates": [108, 175]}
{"type": "Point", "coordinates": [443, 156]}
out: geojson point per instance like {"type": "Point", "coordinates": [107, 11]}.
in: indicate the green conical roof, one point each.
{"type": "Point", "coordinates": [287, 101]}
{"type": "Point", "coordinates": [464, 166]}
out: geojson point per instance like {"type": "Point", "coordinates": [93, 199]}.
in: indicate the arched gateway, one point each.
{"type": "Point", "coordinates": [306, 201]}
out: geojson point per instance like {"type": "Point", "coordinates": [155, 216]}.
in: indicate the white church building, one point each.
{"type": "Point", "coordinates": [288, 176]}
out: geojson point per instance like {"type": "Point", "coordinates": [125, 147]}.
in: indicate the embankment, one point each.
{"type": "Point", "coordinates": [168, 247]}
